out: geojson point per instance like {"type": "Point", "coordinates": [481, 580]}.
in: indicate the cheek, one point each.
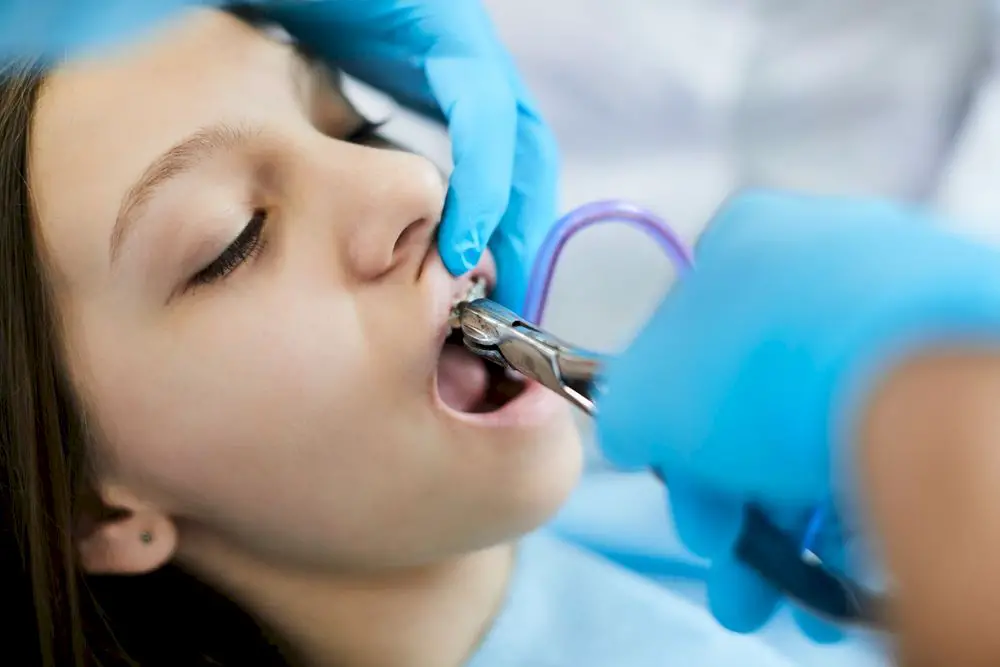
{"type": "Point", "coordinates": [245, 407]}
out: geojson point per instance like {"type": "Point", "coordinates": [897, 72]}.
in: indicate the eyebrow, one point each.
{"type": "Point", "coordinates": [180, 159]}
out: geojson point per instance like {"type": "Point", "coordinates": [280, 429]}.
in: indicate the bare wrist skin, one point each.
{"type": "Point", "coordinates": [929, 460]}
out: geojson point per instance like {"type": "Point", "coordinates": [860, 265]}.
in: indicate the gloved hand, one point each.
{"type": "Point", "coordinates": [746, 383]}
{"type": "Point", "coordinates": [57, 28]}
{"type": "Point", "coordinates": [442, 57]}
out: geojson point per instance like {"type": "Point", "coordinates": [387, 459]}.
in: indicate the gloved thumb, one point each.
{"type": "Point", "coordinates": [709, 523]}
{"type": "Point", "coordinates": [738, 597]}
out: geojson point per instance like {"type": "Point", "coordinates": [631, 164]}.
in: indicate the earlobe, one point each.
{"type": "Point", "coordinates": [140, 539]}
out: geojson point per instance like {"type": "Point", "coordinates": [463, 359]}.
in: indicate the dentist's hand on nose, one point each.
{"type": "Point", "coordinates": [439, 57]}
{"type": "Point", "coordinates": [443, 58]}
{"type": "Point", "coordinates": [748, 382]}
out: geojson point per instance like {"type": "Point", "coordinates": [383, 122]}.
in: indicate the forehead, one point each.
{"type": "Point", "coordinates": [100, 122]}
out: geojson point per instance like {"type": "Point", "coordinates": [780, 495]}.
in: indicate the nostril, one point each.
{"type": "Point", "coordinates": [376, 248]}
{"type": "Point", "coordinates": [411, 234]}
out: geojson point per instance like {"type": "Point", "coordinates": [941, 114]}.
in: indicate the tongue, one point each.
{"type": "Point", "coordinates": [462, 378]}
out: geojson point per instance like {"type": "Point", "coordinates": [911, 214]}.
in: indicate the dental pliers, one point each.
{"type": "Point", "coordinates": [500, 336]}
{"type": "Point", "coordinates": [497, 334]}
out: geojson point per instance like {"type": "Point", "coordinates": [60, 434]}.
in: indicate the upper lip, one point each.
{"type": "Point", "coordinates": [445, 296]}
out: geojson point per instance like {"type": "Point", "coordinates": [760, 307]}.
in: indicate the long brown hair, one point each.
{"type": "Point", "coordinates": [54, 615]}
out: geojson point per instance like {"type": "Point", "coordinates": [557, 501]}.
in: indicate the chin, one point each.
{"type": "Point", "coordinates": [538, 476]}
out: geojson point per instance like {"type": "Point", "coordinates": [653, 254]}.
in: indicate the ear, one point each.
{"type": "Point", "coordinates": [137, 539]}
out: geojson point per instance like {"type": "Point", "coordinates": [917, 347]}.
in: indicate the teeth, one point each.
{"type": "Point", "coordinates": [477, 290]}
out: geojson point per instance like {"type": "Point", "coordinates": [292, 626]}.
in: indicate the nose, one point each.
{"type": "Point", "coordinates": [391, 205]}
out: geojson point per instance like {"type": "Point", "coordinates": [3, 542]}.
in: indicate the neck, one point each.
{"type": "Point", "coordinates": [434, 615]}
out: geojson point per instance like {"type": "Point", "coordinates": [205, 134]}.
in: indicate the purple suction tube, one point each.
{"type": "Point", "coordinates": [589, 215]}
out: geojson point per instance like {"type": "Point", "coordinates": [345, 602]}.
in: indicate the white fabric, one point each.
{"type": "Point", "coordinates": [569, 608]}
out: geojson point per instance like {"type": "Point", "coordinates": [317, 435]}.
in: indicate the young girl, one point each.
{"type": "Point", "coordinates": [232, 430]}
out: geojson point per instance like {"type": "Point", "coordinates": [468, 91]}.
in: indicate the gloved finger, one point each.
{"type": "Point", "coordinates": [60, 29]}
{"type": "Point", "coordinates": [531, 208]}
{"type": "Point", "coordinates": [816, 628]}
{"type": "Point", "coordinates": [738, 597]}
{"type": "Point", "coordinates": [793, 522]}
{"type": "Point", "coordinates": [752, 600]}
{"type": "Point", "coordinates": [707, 522]}
{"type": "Point", "coordinates": [481, 111]}
{"type": "Point", "coordinates": [831, 549]}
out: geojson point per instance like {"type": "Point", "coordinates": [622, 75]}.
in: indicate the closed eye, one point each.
{"type": "Point", "coordinates": [245, 246]}
{"type": "Point", "coordinates": [249, 242]}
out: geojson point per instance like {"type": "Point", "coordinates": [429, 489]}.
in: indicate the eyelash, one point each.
{"type": "Point", "coordinates": [364, 133]}
{"type": "Point", "coordinates": [247, 245]}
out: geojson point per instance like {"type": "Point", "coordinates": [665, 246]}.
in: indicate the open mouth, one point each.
{"type": "Point", "coordinates": [470, 384]}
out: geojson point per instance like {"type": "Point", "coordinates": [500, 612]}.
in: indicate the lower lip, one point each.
{"type": "Point", "coordinates": [533, 406]}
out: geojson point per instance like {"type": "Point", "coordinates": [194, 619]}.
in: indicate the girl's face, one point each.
{"type": "Point", "coordinates": [253, 311]}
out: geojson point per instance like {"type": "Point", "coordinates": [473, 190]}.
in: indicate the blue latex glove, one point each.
{"type": "Point", "coordinates": [746, 382]}
{"type": "Point", "coordinates": [443, 58]}
{"type": "Point", "coordinates": [57, 28]}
